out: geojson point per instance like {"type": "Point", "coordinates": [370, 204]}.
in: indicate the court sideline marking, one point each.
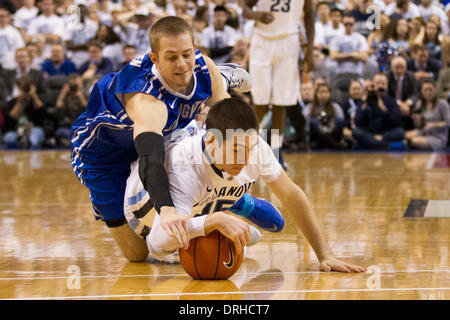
{"type": "Point", "coordinates": [229, 292]}
{"type": "Point", "coordinates": [185, 275]}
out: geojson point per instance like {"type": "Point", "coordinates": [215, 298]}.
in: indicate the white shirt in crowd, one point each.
{"type": "Point", "coordinates": [435, 10]}
{"type": "Point", "coordinates": [114, 52]}
{"type": "Point", "coordinates": [347, 44]}
{"type": "Point", "coordinates": [10, 41]}
{"type": "Point", "coordinates": [212, 38]}
{"type": "Point", "coordinates": [324, 33]}
{"type": "Point", "coordinates": [47, 25]}
{"type": "Point", "coordinates": [132, 35]}
{"type": "Point", "coordinates": [413, 10]}
{"type": "Point", "coordinates": [80, 33]}
{"type": "Point", "coordinates": [24, 16]}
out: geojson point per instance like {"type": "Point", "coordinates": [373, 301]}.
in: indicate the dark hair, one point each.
{"type": "Point", "coordinates": [129, 46]}
{"type": "Point", "coordinates": [391, 30]}
{"type": "Point", "coordinates": [232, 113]}
{"type": "Point", "coordinates": [322, 3]}
{"type": "Point", "coordinates": [423, 102]}
{"type": "Point", "coordinates": [111, 37]}
{"type": "Point", "coordinates": [95, 43]}
{"type": "Point", "coordinates": [200, 12]}
{"type": "Point", "coordinates": [378, 74]}
{"type": "Point", "coordinates": [172, 26]}
{"type": "Point", "coordinates": [348, 15]}
{"type": "Point", "coordinates": [436, 37]}
{"type": "Point", "coordinates": [401, 3]}
{"type": "Point", "coordinates": [220, 8]}
{"type": "Point", "coordinates": [329, 109]}
{"type": "Point", "coordinates": [336, 10]}
{"type": "Point", "coordinates": [418, 47]}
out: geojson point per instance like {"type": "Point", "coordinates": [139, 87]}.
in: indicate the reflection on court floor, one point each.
{"type": "Point", "coordinates": [52, 248]}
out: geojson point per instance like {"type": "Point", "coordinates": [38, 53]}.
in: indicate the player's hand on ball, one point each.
{"type": "Point", "coordinates": [176, 225]}
{"type": "Point", "coordinates": [330, 263]}
{"type": "Point", "coordinates": [233, 228]}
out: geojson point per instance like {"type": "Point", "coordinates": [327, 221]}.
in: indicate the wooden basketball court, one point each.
{"type": "Point", "coordinates": [388, 212]}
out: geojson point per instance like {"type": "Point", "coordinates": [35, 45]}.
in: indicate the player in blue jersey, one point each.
{"type": "Point", "coordinates": [130, 115]}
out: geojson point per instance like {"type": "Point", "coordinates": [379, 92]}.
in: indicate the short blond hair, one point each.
{"type": "Point", "coordinates": [168, 26]}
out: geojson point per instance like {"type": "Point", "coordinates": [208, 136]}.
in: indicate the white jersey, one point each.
{"type": "Point", "coordinates": [287, 18]}
{"type": "Point", "coordinates": [10, 41]}
{"type": "Point", "coordinates": [198, 188]}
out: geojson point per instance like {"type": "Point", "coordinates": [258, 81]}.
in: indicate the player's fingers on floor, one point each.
{"type": "Point", "coordinates": [355, 268]}
{"type": "Point", "coordinates": [325, 267]}
{"type": "Point", "coordinates": [341, 268]}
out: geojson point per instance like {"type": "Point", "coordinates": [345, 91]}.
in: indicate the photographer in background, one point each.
{"type": "Point", "coordinates": [9, 89]}
{"type": "Point", "coordinates": [25, 117]}
{"type": "Point", "coordinates": [326, 120]}
{"type": "Point", "coordinates": [70, 104]}
{"type": "Point", "coordinates": [379, 120]}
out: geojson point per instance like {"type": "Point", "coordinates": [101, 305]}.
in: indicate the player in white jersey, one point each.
{"type": "Point", "coordinates": [274, 56]}
{"type": "Point", "coordinates": [209, 170]}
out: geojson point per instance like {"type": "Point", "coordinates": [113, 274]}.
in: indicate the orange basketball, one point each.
{"type": "Point", "coordinates": [212, 257]}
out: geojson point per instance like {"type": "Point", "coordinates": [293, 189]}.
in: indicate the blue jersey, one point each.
{"type": "Point", "coordinates": [102, 137]}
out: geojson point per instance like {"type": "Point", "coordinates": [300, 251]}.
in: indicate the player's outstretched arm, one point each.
{"type": "Point", "coordinates": [298, 205]}
{"type": "Point", "coordinates": [218, 91]}
{"type": "Point", "coordinates": [150, 116]}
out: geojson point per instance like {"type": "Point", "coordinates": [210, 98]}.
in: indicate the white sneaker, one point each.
{"type": "Point", "coordinates": [235, 77]}
{"type": "Point", "coordinates": [255, 236]}
{"type": "Point", "coordinates": [169, 258]}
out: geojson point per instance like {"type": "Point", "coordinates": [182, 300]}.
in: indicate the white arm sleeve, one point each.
{"type": "Point", "coordinates": [160, 243]}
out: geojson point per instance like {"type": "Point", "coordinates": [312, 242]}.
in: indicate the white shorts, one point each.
{"type": "Point", "coordinates": [274, 69]}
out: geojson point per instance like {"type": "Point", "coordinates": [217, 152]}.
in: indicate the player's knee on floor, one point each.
{"type": "Point", "coordinates": [133, 248]}
{"type": "Point", "coordinates": [134, 255]}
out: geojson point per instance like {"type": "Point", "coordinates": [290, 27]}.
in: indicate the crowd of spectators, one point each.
{"type": "Point", "coordinates": [381, 79]}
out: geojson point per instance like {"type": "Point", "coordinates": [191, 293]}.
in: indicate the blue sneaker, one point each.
{"type": "Point", "coordinates": [397, 146]}
{"type": "Point", "coordinates": [259, 211]}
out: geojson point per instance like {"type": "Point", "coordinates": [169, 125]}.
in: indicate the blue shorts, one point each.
{"type": "Point", "coordinates": [102, 151]}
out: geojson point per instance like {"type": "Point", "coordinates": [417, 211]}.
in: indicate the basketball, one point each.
{"type": "Point", "coordinates": [212, 257]}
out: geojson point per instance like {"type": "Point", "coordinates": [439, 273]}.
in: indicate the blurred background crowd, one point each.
{"type": "Point", "coordinates": [380, 82]}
